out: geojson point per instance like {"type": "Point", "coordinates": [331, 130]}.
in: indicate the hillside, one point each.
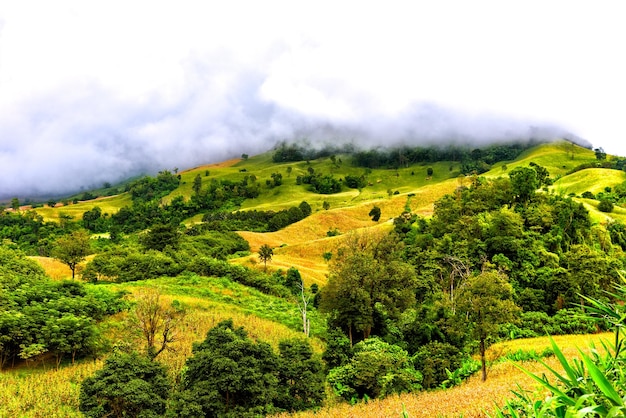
{"type": "Point", "coordinates": [159, 237]}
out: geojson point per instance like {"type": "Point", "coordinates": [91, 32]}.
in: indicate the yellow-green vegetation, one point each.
{"type": "Point", "coordinates": [558, 157]}
{"type": "Point", "coordinates": [108, 205]}
{"type": "Point", "coordinates": [592, 180]}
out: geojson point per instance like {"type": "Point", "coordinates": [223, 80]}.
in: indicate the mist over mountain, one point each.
{"type": "Point", "coordinates": [82, 104]}
{"type": "Point", "coordinates": [93, 137]}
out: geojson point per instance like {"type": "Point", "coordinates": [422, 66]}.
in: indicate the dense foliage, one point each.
{"type": "Point", "coordinates": [39, 316]}
{"type": "Point", "coordinates": [229, 375]}
{"type": "Point", "coordinates": [256, 220]}
{"type": "Point", "coordinates": [129, 385]}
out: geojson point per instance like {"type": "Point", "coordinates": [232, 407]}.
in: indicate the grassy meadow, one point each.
{"type": "Point", "coordinates": [39, 390]}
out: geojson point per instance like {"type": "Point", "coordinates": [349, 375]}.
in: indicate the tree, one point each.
{"type": "Point", "coordinates": [91, 217]}
{"type": "Point", "coordinates": [605, 205]}
{"type": "Point", "coordinates": [197, 184]}
{"type": "Point", "coordinates": [15, 204]}
{"type": "Point", "coordinates": [375, 213]}
{"type": "Point", "coordinates": [300, 377]}
{"type": "Point", "coordinates": [161, 236]}
{"type": "Point", "coordinates": [368, 279]}
{"type": "Point", "coordinates": [72, 249]}
{"type": "Point", "coordinates": [486, 300]}
{"type": "Point", "coordinates": [155, 321]}
{"type": "Point", "coordinates": [265, 254]}
{"type": "Point", "coordinates": [525, 182]}
{"type": "Point", "coordinates": [326, 205]}
{"type": "Point", "coordinates": [228, 375]}
{"type": "Point", "coordinates": [377, 369]}
{"type": "Point", "coordinates": [600, 154]}
{"type": "Point", "coordinates": [129, 385]}
{"type": "Point", "coordinates": [429, 171]}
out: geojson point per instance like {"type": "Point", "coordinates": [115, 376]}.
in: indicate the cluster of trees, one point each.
{"type": "Point", "coordinates": [39, 316]}
{"type": "Point", "coordinates": [320, 183]}
{"type": "Point", "coordinates": [256, 220]}
{"type": "Point", "coordinates": [476, 160]}
{"type": "Point", "coordinates": [498, 259]}
{"type": "Point", "coordinates": [303, 151]}
{"type": "Point", "coordinates": [228, 375]}
{"type": "Point", "coordinates": [28, 232]}
{"type": "Point", "coordinates": [153, 188]}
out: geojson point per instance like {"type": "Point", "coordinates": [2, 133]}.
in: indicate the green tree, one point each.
{"type": "Point", "coordinates": [605, 205]}
{"type": "Point", "coordinates": [429, 171]}
{"type": "Point", "coordinates": [197, 184]}
{"type": "Point", "coordinates": [15, 204]}
{"type": "Point", "coordinates": [91, 217]}
{"type": "Point", "coordinates": [265, 254]}
{"type": "Point", "coordinates": [300, 377]}
{"type": "Point", "coordinates": [367, 278]}
{"type": "Point", "coordinates": [72, 249]}
{"type": "Point", "coordinates": [374, 213]}
{"type": "Point", "coordinates": [377, 369]}
{"type": "Point", "coordinates": [600, 154]}
{"type": "Point", "coordinates": [525, 182]}
{"type": "Point", "coordinates": [129, 385]}
{"type": "Point", "coordinates": [161, 236]}
{"type": "Point", "coordinates": [228, 375]}
{"type": "Point", "coordinates": [487, 301]}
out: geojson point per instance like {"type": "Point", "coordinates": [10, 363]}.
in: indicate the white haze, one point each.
{"type": "Point", "coordinates": [94, 92]}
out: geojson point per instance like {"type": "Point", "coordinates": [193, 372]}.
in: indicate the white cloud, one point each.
{"type": "Point", "coordinates": [92, 92]}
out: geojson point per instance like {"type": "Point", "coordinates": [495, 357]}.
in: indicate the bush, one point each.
{"type": "Point", "coordinates": [128, 385]}
{"type": "Point", "coordinates": [605, 205]}
{"type": "Point", "coordinates": [377, 369]}
{"type": "Point", "coordinates": [434, 359]}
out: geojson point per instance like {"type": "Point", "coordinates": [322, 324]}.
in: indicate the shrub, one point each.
{"type": "Point", "coordinates": [434, 359]}
{"type": "Point", "coordinates": [377, 369]}
{"type": "Point", "coordinates": [129, 385]}
{"type": "Point", "coordinates": [605, 205]}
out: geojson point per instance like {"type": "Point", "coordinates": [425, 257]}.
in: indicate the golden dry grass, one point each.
{"type": "Point", "coordinates": [56, 270]}
{"type": "Point", "coordinates": [302, 245]}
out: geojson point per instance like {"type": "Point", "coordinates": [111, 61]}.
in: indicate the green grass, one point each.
{"type": "Point", "coordinates": [558, 157]}
{"type": "Point", "coordinates": [224, 294]}
{"type": "Point", "coordinates": [593, 180]}
{"type": "Point", "coordinates": [108, 205]}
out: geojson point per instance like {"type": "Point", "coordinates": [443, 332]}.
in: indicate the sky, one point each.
{"type": "Point", "coordinates": [97, 91]}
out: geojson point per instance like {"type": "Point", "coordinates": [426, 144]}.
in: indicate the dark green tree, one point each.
{"type": "Point", "coordinates": [367, 278]}
{"type": "Point", "coordinates": [129, 385]}
{"type": "Point", "coordinates": [197, 184]}
{"type": "Point", "coordinates": [228, 375]}
{"type": "Point", "coordinates": [161, 236]}
{"type": "Point", "coordinates": [300, 377]}
{"type": "Point", "coordinates": [375, 213]}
